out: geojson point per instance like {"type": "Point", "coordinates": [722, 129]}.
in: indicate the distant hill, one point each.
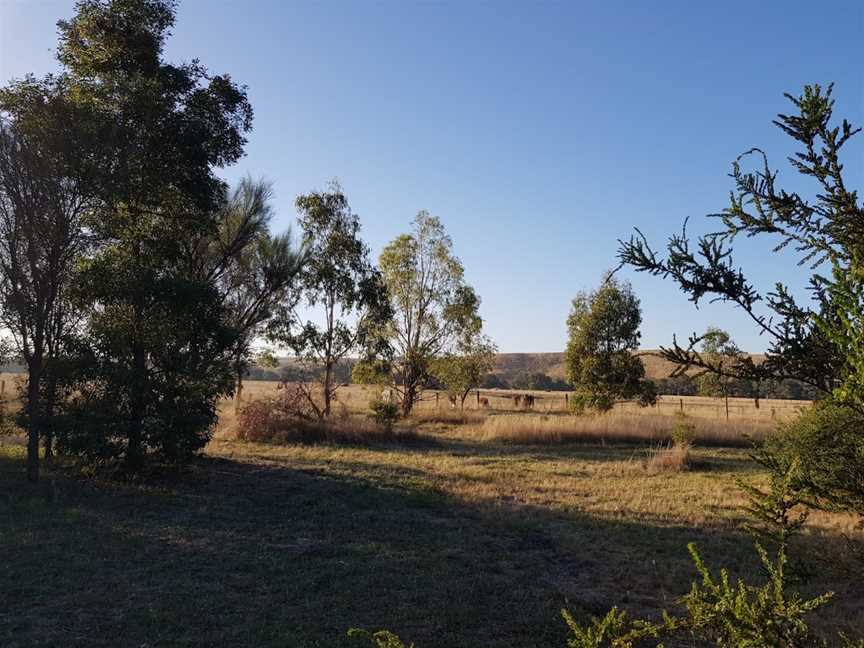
{"type": "Point", "coordinates": [508, 365]}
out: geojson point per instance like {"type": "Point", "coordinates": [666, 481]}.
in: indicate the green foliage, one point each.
{"type": "Point", "coordinates": [463, 370]}
{"type": "Point", "coordinates": [385, 413]}
{"type": "Point", "coordinates": [827, 445]}
{"type": "Point", "coordinates": [434, 309]}
{"type": "Point", "coordinates": [603, 332]}
{"type": "Point", "coordinates": [725, 613]}
{"type": "Point", "coordinates": [341, 285]}
{"type": "Point", "coordinates": [371, 372]}
{"type": "Point", "coordinates": [722, 354]}
{"type": "Point", "coordinates": [252, 269]}
{"type": "Point", "coordinates": [157, 339]}
{"type": "Point", "coordinates": [684, 431]}
{"type": "Point", "coordinates": [536, 381]}
{"type": "Point", "coordinates": [614, 629]}
{"type": "Point", "coordinates": [816, 343]}
{"type": "Point", "coordinates": [379, 639]}
{"type": "Point", "coordinates": [844, 327]}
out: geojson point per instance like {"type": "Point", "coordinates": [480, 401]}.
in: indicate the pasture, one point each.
{"type": "Point", "coordinates": [463, 540]}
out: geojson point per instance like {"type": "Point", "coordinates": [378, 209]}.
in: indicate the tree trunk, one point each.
{"type": "Point", "coordinates": [238, 391]}
{"type": "Point", "coordinates": [328, 380]}
{"type": "Point", "coordinates": [34, 370]}
{"type": "Point", "coordinates": [408, 400]}
{"type": "Point", "coordinates": [50, 402]}
{"type": "Point", "coordinates": [134, 448]}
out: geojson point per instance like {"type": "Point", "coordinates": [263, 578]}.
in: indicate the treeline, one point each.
{"type": "Point", "coordinates": [135, 284]}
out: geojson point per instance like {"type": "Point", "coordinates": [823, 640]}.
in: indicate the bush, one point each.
{"type": "Point", "coordinates": [828, 443]}
{"type": "Point", "coordinates": [285, 420]}
{"type": "Point", "coordinates": [384, 413]}
{"type": "Point", "coordinates": [684, 432]}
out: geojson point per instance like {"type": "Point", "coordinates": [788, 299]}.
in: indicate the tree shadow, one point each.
{"type": "Point", "coordinates": [235, 553]}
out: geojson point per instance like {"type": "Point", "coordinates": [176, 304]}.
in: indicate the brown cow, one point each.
{"type": "Point", "coordinates": [528, 401]}
{"type": "Point", "coordinates": [517, 401]}
{"type": "Point", "coordinates": [484, 403]}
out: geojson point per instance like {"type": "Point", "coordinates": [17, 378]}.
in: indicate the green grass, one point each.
{"type": "Point", "coordinates": [460, 543]}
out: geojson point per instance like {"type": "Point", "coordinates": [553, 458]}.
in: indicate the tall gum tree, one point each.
{"type": "Point", "coordinates": [433, 307]}
{"type": "Point", "coordinates": [340, 284]}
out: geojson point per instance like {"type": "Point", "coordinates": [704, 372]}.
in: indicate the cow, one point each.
{"type": "Point", "coordinates": [517, 401]}
{"type": "Point", "coordinates": [528, 401]}
{"type": "Point", "coordinates": [452, 400]}
{"type": "Point", "coordinates": [388, 395]}
{"type": "Point", "coordinates": [484, 403]}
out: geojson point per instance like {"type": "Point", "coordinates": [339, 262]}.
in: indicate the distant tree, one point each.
{"type": "Point", "coordinates": [603, 331]}
{"type": "Point", "coordinates": [338, 280]}
{"type": "Point", "coordinates": [434, 308]}
{"type": "Point", "coordinates": [463, 369]}
{"type": "Point", "coordinates": [538, 380]}
{"type": "Point", "coordinates": [493, 381]}
{"type": "Point", "coordinates": [719, 351]}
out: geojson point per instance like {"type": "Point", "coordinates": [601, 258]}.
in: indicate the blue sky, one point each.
{"type": "Point", "coordinates": [539, 132]}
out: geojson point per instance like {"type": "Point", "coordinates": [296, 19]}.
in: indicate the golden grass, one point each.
{"type": "Point", "coordinates": [616, 427]}
{"type": "Point", "coordinates": [315, 538]}
{"type": "Point", "coordinates": [448, 416]}
{"type": "Point", "coordinates": [350, 430]}
{"type": "Point", "coordinates": [669, 458]}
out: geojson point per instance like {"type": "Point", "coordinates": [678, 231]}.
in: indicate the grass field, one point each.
{"type": "Point", "coordinates": [461, 541]}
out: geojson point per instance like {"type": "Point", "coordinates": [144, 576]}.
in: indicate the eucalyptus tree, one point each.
{"type": "Point", "coordinates": [603, 328]}
{"type": "Point", "coordinates": [463, 369]}
{"type": "Point", "coordinates": [340, 285]}
{"type": "Point", "coordinates": [433, 307]}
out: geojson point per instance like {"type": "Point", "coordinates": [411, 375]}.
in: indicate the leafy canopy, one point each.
{"type": "Point", "coordinates": [603, 329]}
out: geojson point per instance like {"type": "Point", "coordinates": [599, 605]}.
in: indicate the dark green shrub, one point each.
{"type": "Point", "coordinates": [384, 413]}
{"type": "Point", "coordinates": [827, 440]}
{"type": "Point", "coordinates": [684, 432]}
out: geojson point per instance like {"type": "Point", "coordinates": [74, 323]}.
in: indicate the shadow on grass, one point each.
{"type": "Point", "coordinates": [245, 554]}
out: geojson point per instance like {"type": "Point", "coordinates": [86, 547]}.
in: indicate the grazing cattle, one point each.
{"type": "Point", "coordinates": [484, 403]}
{"type": "Point", "coordinates": [517, 401]}
{"type": "Point", "coordinates": [388, 395]}
{"type": "Point", "coordinates": [452, 400]}
{"type": "Point", "coordinates": [528, 401]}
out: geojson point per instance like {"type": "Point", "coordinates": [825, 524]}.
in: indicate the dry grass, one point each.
{"type": "Point", "coordinates": [448, 416]}
{"type": "Point", "coordinates": [464, 543]}
{"type": "Point", "coordinates": [616, 427]}
{"type": "Point", "coordinates": [674, 457]}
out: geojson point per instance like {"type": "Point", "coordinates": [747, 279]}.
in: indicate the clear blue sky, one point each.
{"type": "Point", "coordinates": [539, 132]}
